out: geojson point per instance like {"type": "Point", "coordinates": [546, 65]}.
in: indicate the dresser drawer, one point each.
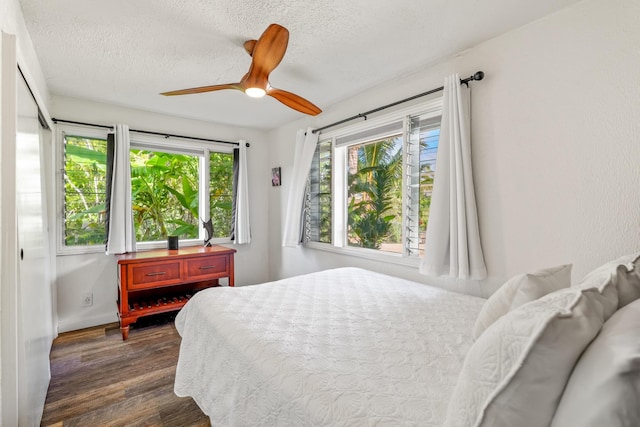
{"type": "Point", "coordinates": [207, 268]}
{"type": "Point", "coordinates": [153, 274]}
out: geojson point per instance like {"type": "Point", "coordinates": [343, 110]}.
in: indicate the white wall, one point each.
{"type": "Point", "coordinates": [97, 273]}
{"type": "Point", "coordinates": [555, 128]}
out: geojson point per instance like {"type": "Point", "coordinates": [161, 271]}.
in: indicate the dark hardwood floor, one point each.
{"type": "Point", "coordinates": [99, 380]}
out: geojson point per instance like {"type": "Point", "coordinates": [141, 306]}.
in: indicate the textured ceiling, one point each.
{"type": "Point", "coordinates": [125, 52]}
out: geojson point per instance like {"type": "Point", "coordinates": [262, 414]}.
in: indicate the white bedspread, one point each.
{"type": "Point", "coordinates": [342, 347]}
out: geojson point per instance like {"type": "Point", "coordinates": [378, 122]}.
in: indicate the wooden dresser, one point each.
{"type": "Point", "coordinates": [159, 281]}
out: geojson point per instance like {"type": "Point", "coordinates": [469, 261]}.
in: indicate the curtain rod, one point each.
{"type": "Point", "coordinates": [166, 135]}
{"type": "Point", "coordinates": [41, 118]}
{"type": "Point", "coordinates": [477, 76]}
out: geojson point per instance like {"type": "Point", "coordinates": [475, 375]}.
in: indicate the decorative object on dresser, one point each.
{"type": "Point", "coordinates": [172, 243]}
{"type": "Point", "coordinates": [208, 227]}
{"type": "Point", "coordinates": [160, 280]}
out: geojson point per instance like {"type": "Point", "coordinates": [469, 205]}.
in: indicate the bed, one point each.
{"type": "Point", "coordinates": [344, 344]}
{"type": "Point", "coordinates": [350, 347]}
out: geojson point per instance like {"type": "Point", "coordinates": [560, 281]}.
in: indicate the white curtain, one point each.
{"type": "Point", "coordinates": [242, 230]}
{"type": "Point", "coordinates": [303, 155]}
{"type": "Point", "coordinates": [122, 236]}
{"type": "Point", "coordinates": [452, 244]}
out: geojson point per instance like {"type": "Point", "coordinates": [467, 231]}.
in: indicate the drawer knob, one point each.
{"type": "Point", "coordinates": [157, 273]}
{"type": "Point", "coordinates": [207, 267]}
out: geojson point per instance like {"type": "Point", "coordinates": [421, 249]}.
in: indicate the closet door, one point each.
{"type": "Point", "coordinates": [35, 315]}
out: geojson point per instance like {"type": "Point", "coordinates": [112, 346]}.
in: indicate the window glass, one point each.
{"type": "Point", "coordinates": [423, 134]}
{"type": "Point", "coordinates": [84, 190]}
{"type": "Point", "coordinates": [429, 137]}
{"type": "Point", "coordinates": [318, 209]}
{"type": "Point", "coordinates": [164, 195]}
{"type": "Point", "coordinates": [374, 195]}
{"type": "Point", "coordinates": [221, 192]}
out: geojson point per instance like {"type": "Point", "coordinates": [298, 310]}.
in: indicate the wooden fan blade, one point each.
{"type": "Point", "coordinates": [294, 101]}
{"type": "Point", "coordinates": [202, 89]}
{"type": "Point", "coordinates": [269, 49]}
{"type": "Point", "coordinates": [249, 45]}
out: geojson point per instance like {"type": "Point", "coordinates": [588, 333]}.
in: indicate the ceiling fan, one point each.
{"type": "Point", "coordinates": [266, 53]}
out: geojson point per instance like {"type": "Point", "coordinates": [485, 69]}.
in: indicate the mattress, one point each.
{"type": "Point", "coordinates": [338, 347]}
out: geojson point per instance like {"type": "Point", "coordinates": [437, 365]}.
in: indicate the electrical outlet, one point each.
{"type": "Point", "coordinates": [87, 299]}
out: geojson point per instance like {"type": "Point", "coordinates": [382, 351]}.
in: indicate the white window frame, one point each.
{"type": "Point", "coordinates": [431, 108]}
{"type": "Point", "coordinates": [140, 141]}
{"type": "Point", "coordinates": [61, 131]}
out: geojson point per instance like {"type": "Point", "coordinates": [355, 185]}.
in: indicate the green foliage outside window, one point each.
{"type": "Point", "coordinates": [221, 192]}
{"type": "Point", "coordinates": [324, 202]}
{"type": "Point", "coordinates": [428, 150]}
{"type": "Point", "coordinates": [164, 195]}
{"type": "Point", "coordinates": [164, 190]}
{"type": "Point", "coordinates": [319, 201]}
{"type": "Point", "coordinates": [85, 162]}
{"type": "Point", "coordinates": [375, 194]}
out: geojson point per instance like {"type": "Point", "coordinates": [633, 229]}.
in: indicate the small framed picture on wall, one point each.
{"type": "Point", "coordinates": [275, 177]}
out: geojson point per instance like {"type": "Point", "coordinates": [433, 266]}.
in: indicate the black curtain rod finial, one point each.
{"type": "Point", "coordinates": [479, 75]}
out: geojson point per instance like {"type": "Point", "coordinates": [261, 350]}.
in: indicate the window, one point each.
{"type": "Point", "coordinates": [318, 203]}
{"type": "Point", "coordinates": [164, 195]}
{"type": "Point", "coordinates": [85, 160]}
{"type": "Point", "coordinates": [370, 184]}
{"type": "Point", "coordinates": [221, 192]}
{"type": "Point", "coordinates": [173, 184]}
{"type": "Point", "coordinates": [374, 194]}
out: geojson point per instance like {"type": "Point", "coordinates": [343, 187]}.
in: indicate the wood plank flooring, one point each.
{"type": "Point", "coordinates": [99, 380]}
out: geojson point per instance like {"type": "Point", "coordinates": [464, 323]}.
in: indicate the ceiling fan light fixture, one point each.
{"type": "Point", "coordinates": [255, 92]}
{"type": "Point", "coordinates": [266, 53]}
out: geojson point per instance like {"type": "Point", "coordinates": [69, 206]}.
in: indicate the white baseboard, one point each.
{"type": "Point", "coordinates": [86, 322]}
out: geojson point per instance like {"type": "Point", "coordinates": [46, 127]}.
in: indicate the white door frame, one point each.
{"type": "Point", "coordinates": [8, 232]}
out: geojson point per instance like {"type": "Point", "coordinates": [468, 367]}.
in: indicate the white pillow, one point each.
{"type": "Point", "coordinates": [628, 282]}
{"type": "Point", "coordinates": [519, 290]}
{"type": "Point", "coordinates": [611, 265]}
{"type": "Point", "coordinates": [624, 273]}
{"type": "Point", "coordinates": [514, 374]}
{"type": "Point", "coordinates": [604, 388]}
{"type": "Point", "coordinates": [603, 280]}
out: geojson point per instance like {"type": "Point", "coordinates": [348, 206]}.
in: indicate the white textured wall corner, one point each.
{"type": "Point", "coordinates": [554, 138]}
